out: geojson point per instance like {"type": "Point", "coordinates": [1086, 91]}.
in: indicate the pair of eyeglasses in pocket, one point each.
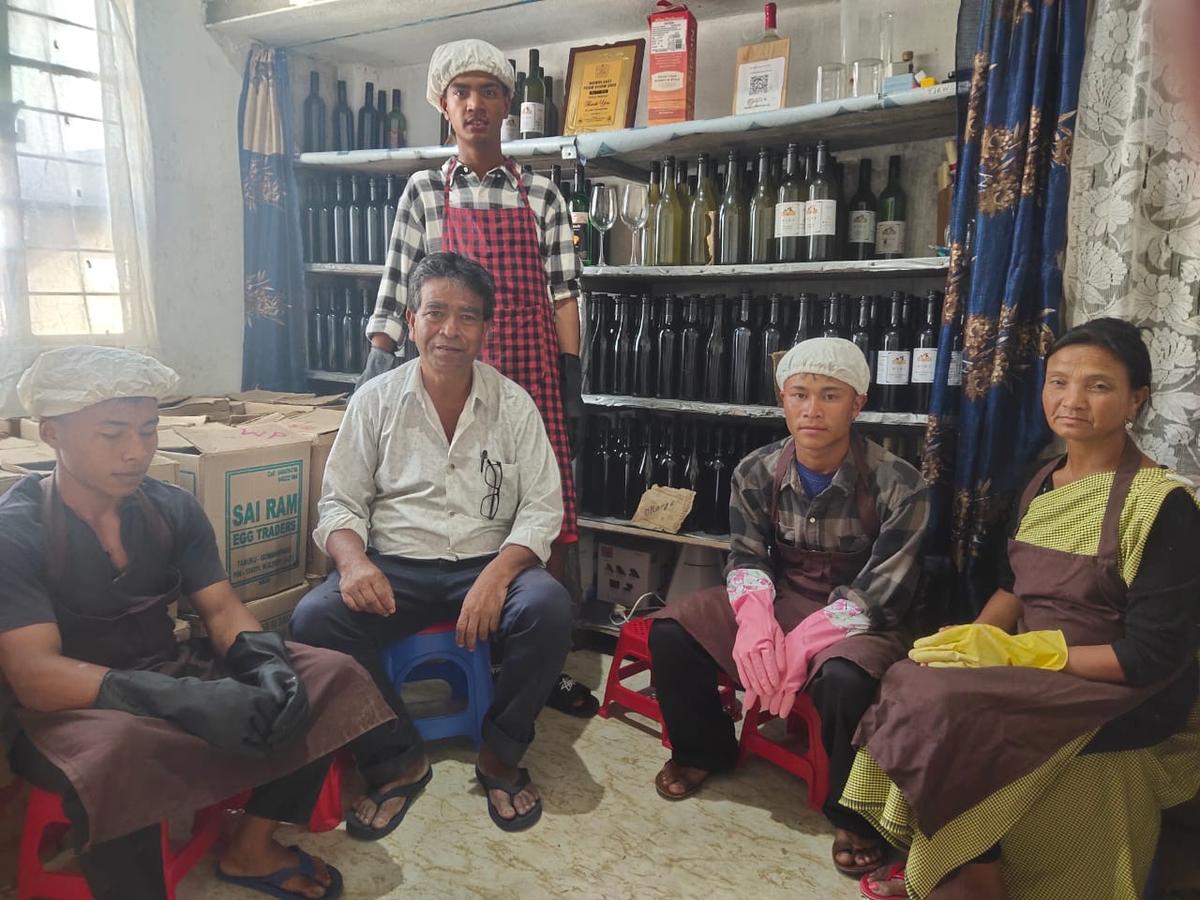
{"type": "Point", "coordinates": [493, 476]}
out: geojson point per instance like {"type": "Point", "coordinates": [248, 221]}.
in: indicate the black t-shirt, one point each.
{"type": "Point", "coordinates": [88, 573]}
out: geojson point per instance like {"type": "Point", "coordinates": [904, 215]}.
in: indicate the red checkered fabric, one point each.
{"type": "Point", "coordinates": [522, 342]}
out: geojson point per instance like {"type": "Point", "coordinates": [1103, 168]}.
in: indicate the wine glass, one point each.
{"type": "Point", "coordinates": [604, 212]}
{"type": "Point", "coordinates": [634, 214]}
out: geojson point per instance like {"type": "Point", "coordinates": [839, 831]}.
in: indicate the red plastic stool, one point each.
{"type": "Point", "coordinates": [45, 825]}
{"type": "Point", "coordinates": [327, 813]}
{"type": "Point", "coordinates": [811, 765]}
{"type": "Point", "coordinates": [633, 644]}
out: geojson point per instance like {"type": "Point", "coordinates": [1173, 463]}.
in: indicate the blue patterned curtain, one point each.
{"type": "Point", "coordinates": [1004, 291]}
{"type": "Point", "coordinates": [273, 353]}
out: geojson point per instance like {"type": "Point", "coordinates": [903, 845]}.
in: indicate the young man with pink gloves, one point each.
{"type": "Point", "coordinates": [827, 531]}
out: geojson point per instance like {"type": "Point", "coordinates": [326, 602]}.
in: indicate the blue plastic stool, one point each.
{"type": "Point", "coordinates": [433, 654]}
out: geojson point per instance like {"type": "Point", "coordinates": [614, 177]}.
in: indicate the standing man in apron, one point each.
{"type": "Point", "coordinates": [99, 702]}
{"type": "Point", "coordinates": [518, 227]}
{"type": "Point", "coordinates": [827, 531]}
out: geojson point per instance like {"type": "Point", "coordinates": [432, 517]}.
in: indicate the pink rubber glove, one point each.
{"type": "Point", "coordinates": [821, 630]}
{"type": "Point", "coordinates": [758, 646]}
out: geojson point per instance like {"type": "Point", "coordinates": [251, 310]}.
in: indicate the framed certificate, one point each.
{"type": "Point", "coordinates": [602, 86]}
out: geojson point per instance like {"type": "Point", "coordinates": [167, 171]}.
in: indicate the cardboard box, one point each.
{"type": "Point", "coordinates": [275, 612]}
{"type": "Point", "coordinates": [28, 429]}
{"type": "Point", "coordinates": [214, 409]}
{"type": "Point", "coordinates": [279, 397]}
{"type": "Point", "coordinates": [623, 574]}
{"type": "Point", "coordinates": [24, 456]}
{"type": "Point", "coordinates": [252, 481]}
{"type": "Point", "coordinates": [671, 87]}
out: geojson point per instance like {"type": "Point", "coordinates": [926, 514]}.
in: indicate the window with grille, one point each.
{"type": "Point", "coordinates": [60, 275]}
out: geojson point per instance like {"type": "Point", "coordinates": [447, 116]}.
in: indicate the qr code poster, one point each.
{"type": "Point", "coordinates": [761, 83]}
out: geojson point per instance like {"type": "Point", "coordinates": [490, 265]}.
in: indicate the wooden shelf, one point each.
{"type": "Point", "coordinates": [623, 526]}
{"type": "Point", "coordinates": [340, 377]}
{"type": "Point", "coordinates": [360, 270]}
{"type": "Point", "coordinates": [917, 267]}
{"type": "Point", "coordinates": [736, 411]}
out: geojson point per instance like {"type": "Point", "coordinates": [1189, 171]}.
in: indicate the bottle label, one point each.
{"type": "Point", "coordinates": [820, 218]}
{"type": "Point", "coordinates": [862, 226]}
{"type": "Point", "coordinates": [533, 118]}
{"type": "Point", "coordinates": [889, 238]}
{"type": "Point", "coordinates": [580, 217]}
{"type": "Point", "coordinates": [893, 367]}
{"type": "Point", "coordinates": [924, 362]}
{"type": "Point", "coordinates": [954, 378]}
{"type": "Point", "coordinates": [789, 219]}
{"type": "Point", "coordinates": [510, 130]}
{"type": "Point", "coordinates": [710, 241]}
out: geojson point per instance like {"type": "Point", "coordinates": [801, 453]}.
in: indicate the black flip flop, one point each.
{"type": "Point", "coordinates": [517, 823]}
{"type": "Point", "coordinates": [361, 832]}
{"type": "Point", "coordinates": [272, 884]}
{"type": "Point", "coordinates": [573, 698]}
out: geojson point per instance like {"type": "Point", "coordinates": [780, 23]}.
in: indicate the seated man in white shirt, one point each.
{"type": "Point", "coordinates": [441, 499]}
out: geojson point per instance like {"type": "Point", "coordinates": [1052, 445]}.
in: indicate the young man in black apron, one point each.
{"type": "Point", "coordinates": [100, 703]}
{"type": "Point", "coordinates": [826, 534]}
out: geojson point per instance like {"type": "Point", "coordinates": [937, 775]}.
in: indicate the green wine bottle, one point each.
{"type": "Point", "coordinates": [762, 213]}
{"type": "Point", "coordinates": [702, 217]}
{"type": "Point", "coordinates": [668, 219]}
{"type": "Point", "coordinates": [732, 227]}
{"type": "Point", "coordinates": [653, 194]}
{"type": "Point", "coordinates": [533, 101]}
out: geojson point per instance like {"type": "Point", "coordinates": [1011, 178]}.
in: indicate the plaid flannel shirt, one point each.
{"type": "Point", "coordinates": [886, 586]}
{"type": "Point", "coordinates": [418, 232]}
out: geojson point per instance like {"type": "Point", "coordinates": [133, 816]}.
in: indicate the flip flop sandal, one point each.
{"type": "Point", "coordinates": [660, 785]}
{"type": "Point", "coordinates": [854, 871]}
{"type": "Point", "coordinates": [894, 871]}
{"type": "Point", "coordinates": [410, 792]}
{"type": "Point", "coordinates": [273, 884]}
{"type": "Point", "coordinates": [517, 823]}
{"type": "Point", "coordinates": [573, 698]}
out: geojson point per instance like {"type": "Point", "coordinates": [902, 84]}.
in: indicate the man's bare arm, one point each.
{"type": "Point", "coordinates": [224, 615]}
{"type": "Point", "coordinates": [42, 678]}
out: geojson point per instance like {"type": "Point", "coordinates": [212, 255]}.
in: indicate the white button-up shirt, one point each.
{"type": "Point", "coordinates": [395, 481]}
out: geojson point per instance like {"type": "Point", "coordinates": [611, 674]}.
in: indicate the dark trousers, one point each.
{"type": "Point", "coordinates": [130, 867]}
{"type": "Point", "coordinates": [533, 640]}
{"type": "Point", "coordinates": [702, 734]}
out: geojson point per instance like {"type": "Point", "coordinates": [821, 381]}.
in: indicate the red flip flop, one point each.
{"type": "Point", "coordinates": [895, 870]}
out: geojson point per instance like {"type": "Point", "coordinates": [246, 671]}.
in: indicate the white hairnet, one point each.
{"type": "Point", "coordinates": [471, 55]}
{"type": "Point", "coordinates": [833, 357]}
{"type": "Point", "coordinates": [74, 378]}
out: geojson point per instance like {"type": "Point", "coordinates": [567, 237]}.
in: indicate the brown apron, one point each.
{"type": "Point", "coordinates": [133, 771]}
{"type": "Point", "coordinates": [804, 580]}
{"type": "Point", "coordinates": [949, 738]}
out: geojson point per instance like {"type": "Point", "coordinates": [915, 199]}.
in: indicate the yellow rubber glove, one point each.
{"type": "Point", "coordinates": [976, 646]}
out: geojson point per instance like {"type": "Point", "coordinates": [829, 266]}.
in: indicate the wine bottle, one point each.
{"type": "Point", "coordinates": [789, 210]}
{"type": "Point", "coordinates": [381, 119]}
{"type": "Point", "coordinates": [838, 172]}
{"type": "Point", "coordinates": [334, 359]}
{"type": "Point", "coordinates": [668, 463]}
{"type": "Point", "coordinates": [861, 228]}
{"type": "Point", "coordinates": [860, 335]}
{"type": "Point", "coordinates": [623, 350]}
{"type": "Point", "coordinates": [691, 353]}
{"type": "Point", "coordinates": [716, 363]}
{"type": "Point", "coordinates": [729, 461]}
{"type": "Point", "coordinates": [702, 214]}
{"type": "Point", "coordinates": [668, 220]}
{"type": "Point", "coordinates": [666, 382]}
{"type": "Point", "coordinates": [351, 345]}
{"type": "Point", "coordinates": [358, 225]}
{"type": "Point", "coordinates": [343, 121]}
{"type": "Point", "coordinates": [820, 211]}
{"type": "Point", "coordinates": [581, 219]}
{"type": "Point", "coordinates": [312, 215]}
{"type": "Point", "coordinates": [648, 474]}
{"type": "Point", "coordinates": [533, 101]}
{"type": "Point", "coordinates": [389, 213]}
{"type": "Point", "coordinates": [716, 486]}
{"type": "Point", "coordinates": [324, 248]}
{"type": "Point", "coordinates": [769, 344]}
{"type": "Point", "coordinates": [743, 368]}
{"type": "Point", "coordinates": [649, 232]}
{"type": "Point", "coordinates": [592, 500]}
{"type": "Point", "coordinates": [366, 306]}
{"type": "Point", "coordinates": [890, 232]}
{"type": "Point", "coordinates": [643, 352]}
{"type": "Point", "coordinates": [316, 330]}
{"type": "Point", "coordinates": [925, 352]}
{"type": "Point", "coordinates": [762, 213]}
{"type": "Point", "coordinates": [733, 229]}
{"type": "Point", "coordinates": [614, 474]}
{"type": "Point", "coordinates": [510, 128]}
{"type": "Point", "coordinates": [681, 182]}
{"type": "Point", "coordinates": [397, 124]}
{"type": "Point", "coordinates": [805, 326]}
{"type": "Point", "coordinates": [954, 375]}
{"type": "Point", "coordinates": [631, 460]}
{"type": "Point", "coordinates": [832, 326]}
{"type": "Point", "coordinates": [552, 125]}
{"type": "Point", "coordinates": [374, 235]}
{"type": "Point", "coordinates": [341, 222]}
{"type": "Point", "coordinates": [692, 475]}
{"type": "Point", "coordinates": [368, 120]}
{"type": "Point", "coordinates": [314, 116]}
{"type": "Point", "coordinates": [894, 360]}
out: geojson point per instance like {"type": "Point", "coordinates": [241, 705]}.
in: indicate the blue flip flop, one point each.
{"type": "Point", "coordinates": [517, 823]}
{"type": "Point", "coordinates": [273, 884]}
{"type": "Point", "coordinates": [362, 832]}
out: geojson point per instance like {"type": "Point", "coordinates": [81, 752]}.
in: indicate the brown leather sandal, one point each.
{"type": "Point", "coordinates": [660, 784]}
{"type": "Point", "coordinates": [848, 847]}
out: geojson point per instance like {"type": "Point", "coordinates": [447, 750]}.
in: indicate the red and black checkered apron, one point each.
{"type": "Point", "coordinates": [522, 342]}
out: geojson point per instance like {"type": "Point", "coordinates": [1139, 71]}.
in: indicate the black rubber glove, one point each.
{"type": "Point", "coordinates": [378, 362]}
{"type": "Point", "coordinates": [260, 659]}
{"type": "Point", "coordinates": [570, 371]}
{"type": "Point", "coordinates": [226, 713]}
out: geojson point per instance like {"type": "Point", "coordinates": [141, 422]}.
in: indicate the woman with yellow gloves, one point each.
{"type": "Point", "coordinates": [1030, 753]}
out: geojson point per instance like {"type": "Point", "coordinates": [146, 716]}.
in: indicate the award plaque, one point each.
{"type": "Point", "coordinates": [602, 86]}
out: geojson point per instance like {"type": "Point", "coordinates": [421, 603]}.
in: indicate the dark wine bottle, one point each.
{"type": "Point", "coordinates": [894, 364]}
{"type": "Point", "coordinates": [890, 231]}
{"type": "Point", "coordinates": [648, 474]}
{"type": "Point", "coordinates": [592, 499]}
{"type": "Point", "coordinates": [358, 223]}
{"type": "Point", "coordinates": [581, 219]}
{"type": "Point", "coordinates": [381, 120]}
{"type": "Point", "coordinates": [716, 487]}
{"type": "Point", "coordinates": [597, 356]}
{"type": "Point", "coordinates": [375, 238]}
{"type": "Point", "coordinates": [789, 210]}
{"type": "Point", "coordinates": [341, 222]}
{"type": "Point", "coordinates": [769, 344]}
{"type": "Point", "coordinates": [805, 326]}
{"type": "Point", "coordinates": [552, 125]}
{"type": "Point", "coordinates": [691, 353]}
{"type": "Point", "coordinates": [389, 213]}
{"type": "Point", "coordinates": [314, 116]}
{"type": "Point", "coordinates": [743, 384]}
{"type": "Point", "coordinates": [733, 228]}
{"type": "Point", "coordinates": [832, 326]}
{"type": "Point", "coordinates": [954, 375]}
{"type": "Point", "coordinates": [351, 345]}
{"type": "Point", "coordinates": [533, 100]}
{"type": "Point", "coordinates": [343, 121]}
{"type": "Point", "coordinates": [631, 459]}
{"type": "Point", "coordinates": [716, 363]}
{"type": "Point", "coordinates": [368, 119]}
{"type": "Point", "coordinates": [316, 330]}
{"type": "Point", "coordinates": [761, 216]}
{"type": "Point", "coordinates": [366, 306]}
{"type": "Point", "coordinates": [669, 340]}
{"type": "Point", "coordinates": [510, 128]}
{"type": "Point", "coordinates": [623, 350]}
{"type": "Point", "coordinates": [396, 125]}
{"type": "Point", "coordinates": [643, 352]}
{"type": "Point", "coordinates": [613, 495]}
{"type": "Point", "coordinates": [925, 353]}
{"type": "Point", "coordinates": [310, 233]}
{"type": "Point", "coordinates": [334, 358]}
{"type": "Point", "coordinates": [861, 227]}
{"type": "Point", "coordinates": [820, 211]}
{"type": "Point", "coordinates": [861, 335]}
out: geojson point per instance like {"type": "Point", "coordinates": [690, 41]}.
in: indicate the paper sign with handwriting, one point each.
{"type": "Point", "coordinates": [664, 508]}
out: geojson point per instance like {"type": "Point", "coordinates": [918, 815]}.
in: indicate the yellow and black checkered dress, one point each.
{"type": "Point", "coordinates": [1075, 824]}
